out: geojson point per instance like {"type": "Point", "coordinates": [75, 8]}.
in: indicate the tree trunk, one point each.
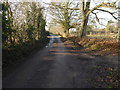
{"type": "Point", "coordinates": [84, 9]}
{"type": "Point", "coordinates": [11, 41]}
{"type": "Point", "coordinates": [67, 33]}
{"type": "Point", "coordinates": [83, 27]}
{"type": "Point", "coordinates": [38, 31]}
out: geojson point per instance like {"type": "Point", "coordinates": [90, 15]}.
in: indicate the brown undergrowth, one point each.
{"type": "Point", "coordinates": [101, 47]}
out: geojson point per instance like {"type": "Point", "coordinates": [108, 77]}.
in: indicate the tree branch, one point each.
{"type": "Point", "coordinates": [96, 17]}
{"type": "Point", "coordinates": [107, 5]}
{"type": "Point", "coordinates": [82, 6]}
{"type": "Point", "coordinates": [108, 12]}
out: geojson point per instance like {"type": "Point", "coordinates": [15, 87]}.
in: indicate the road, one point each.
{"type": "Point", "coordinates": [55, 66]}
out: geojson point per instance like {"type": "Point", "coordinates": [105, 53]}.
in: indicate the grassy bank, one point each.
{"type": "Point", "coordinates": [99, 46]}
{"type": "Point", "coordinates": [16, 54]}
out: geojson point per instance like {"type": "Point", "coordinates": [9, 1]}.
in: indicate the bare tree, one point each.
{"type": "Point", "coordinates": [86, 10]}
{"type": "Point", "coordinates": [62, 15]}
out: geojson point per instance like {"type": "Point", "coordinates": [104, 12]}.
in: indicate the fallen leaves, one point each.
{"type": "Point", "coordinates": [99, 46]}
{"type": "Point", "coordinates": [107, 77]}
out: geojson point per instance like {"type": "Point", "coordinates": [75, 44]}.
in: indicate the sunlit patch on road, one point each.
{"type": "Point", "coordinates": [49, 58]}
{"type": "Point", "coordinates": [46, 46]}
{"type": "Point", "coordinates": [71, 54]}
{"type": "Point", "coordinates": [53, 36]}
{"type": "Point", "coordinates": [65, 50]}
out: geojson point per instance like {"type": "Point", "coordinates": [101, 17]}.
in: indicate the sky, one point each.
{"type": "Point", "coordinates": [106, 17]}
{"type": "Point", "coordinates": [93, 3]}
{"type": "Point", "coordinates": [55, 0]}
